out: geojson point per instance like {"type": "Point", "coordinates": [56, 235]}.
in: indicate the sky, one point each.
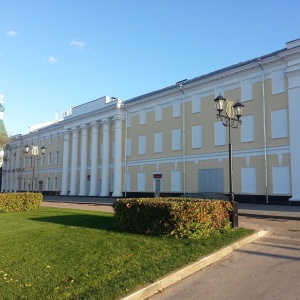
{"type": "Point", "coordinates": [55, 54]}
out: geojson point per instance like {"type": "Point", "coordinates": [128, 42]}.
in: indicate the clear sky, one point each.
{"type": "Point", "coordinates": [55, 54]}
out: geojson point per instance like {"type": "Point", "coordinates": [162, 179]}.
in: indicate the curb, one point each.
{"type": "Point", "coordinates": [72, 202]}
{"type": "Point", "coordinates": [188, 270]}
{"type": "Point", "coordinates": [265, 216]}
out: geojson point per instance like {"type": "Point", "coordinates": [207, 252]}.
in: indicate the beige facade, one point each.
{"type": "Point", "coordinates": [170, 141]}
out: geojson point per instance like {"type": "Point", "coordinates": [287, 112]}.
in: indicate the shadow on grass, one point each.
{"type": "Point", "coordinates": [81, 220]}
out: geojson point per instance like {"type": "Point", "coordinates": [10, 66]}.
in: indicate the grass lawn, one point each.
{"type": "Point", "coordinates": [56, 253]}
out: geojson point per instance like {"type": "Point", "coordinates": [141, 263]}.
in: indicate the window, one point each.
{"type": "Point", "coordinates": [176, 139]}
{"type": "Point", "coordinates": [158, 113]}
{"type": "Point", "coordinates": [141, 182]}
{"type": "Point", "coordinates": [56, 157]}
{"type": "Point", "coordinates": [55, 183]}
{"type": "Point", "coordinates": [128, 181]}
{"type": "Point", "coordinates": [197, 136]}
{"type": "Point", "coordinates": [220, 134]}
{"type": "Point", "coordinates": [142, 117]}
{"type": "Point", "coordinates": [30, 162]}
{"type": "Point", "coordinates": [49, 159]}
{"type": "Point", "coordinates": [277, 82]}
{"type": "Point", "coordinates": [128, 146]}
{"type": "Point", "coordinates": [279, 123]}
{"type": "Point", "coordinates": [48, 183]}
{"type": "Point", "coordinates": [281, 180]}
{"type": "Point", "coordinates": [50, 139]}
{"type": "Point", "coordinates": [247, 129]}
{"type": "Point", "coordinates": [157, 142]}
{"type": "Point", "coordinates": [57, 138]}
{"type": "Point", "coordinates": [196, 104]}
{"type": "Point", "coordinates": [246, 90]}
{"type": "Point", "coordinates": [42, 160]}
{"type": "Point", "coordinates": [248, 180]}
{"type": "Point", "coordinates": [176, 181]}
{"type": "Point", "coordinates": [176, 109]}
{"type": "Point", "coordinates": [25, 162]}
{"type": "Point", "coordinates": [142, 144]}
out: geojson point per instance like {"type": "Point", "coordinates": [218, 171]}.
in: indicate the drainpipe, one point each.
{"type": "Point", "coordinates": [264, 129]}
{"type": "Point", "coordinates": [180, 84]}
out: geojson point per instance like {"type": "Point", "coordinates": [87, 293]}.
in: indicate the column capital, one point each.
{"type": "Point", "coordinates": [94, 123]}
{"type": "Point", "coordinates": [84, 126]}
{"type": "Point", "coordinates": [105, 121]}
{"type": "Point", "coordinates": [118, 117]}
{"type": "Point", "coordinates": [66, 131]}
{"type": "Point", "coordinates": [74, 128]}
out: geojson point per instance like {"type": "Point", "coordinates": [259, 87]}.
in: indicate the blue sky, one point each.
{"type": "Point", "coordinates": [60, 53]}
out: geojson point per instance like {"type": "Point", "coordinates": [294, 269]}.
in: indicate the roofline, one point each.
{"type": "Point", "coordinates": [205, 76]}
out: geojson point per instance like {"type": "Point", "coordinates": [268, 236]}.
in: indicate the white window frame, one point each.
{"type": "Point", "coordinates": [56, 157]}
{"type": "Point", "coordinates": [281, 180]}
{"type": "Point", "coordinates": [176, 181]}
{"type": "Point", "coordinates": [142, 144]}
{"type": "Point", "coordinates": [176, 139]}
{"type": "Point", "coordinates": [141, 182]}
{"type": "Point", "coordinates": [128, 146]}
{"type": "Point", "coordinates": [279, 123]}
{"type": "Point", "coordinates": [196, 104]}
{"type": "Point", "coordinates": [55, 184]}
{"type": "Point", "coordinates": [220, 133]}
{"type": "Point", "coordinates": [158, 142]}
{"type": "Point", "coordinates": [158, 113]}
{"type": "Point", "coordinates": [247, 129]}
{"type": "Point", "coordinates": [196, 136]}
{"type": "Point", "coordinates": [176, 108]}
{"type": "Point", "coordinates": [248, 180]}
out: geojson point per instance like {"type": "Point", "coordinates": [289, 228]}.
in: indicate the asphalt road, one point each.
{"type": "Point", "coordinates": [269, 268]}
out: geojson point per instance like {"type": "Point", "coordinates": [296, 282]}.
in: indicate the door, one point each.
{"type": "Point", "coordinates": [157, 187]}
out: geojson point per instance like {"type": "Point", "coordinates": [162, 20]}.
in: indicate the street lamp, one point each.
{"type": "Point", "coordinates": [230, 119]}
{"type": "Point", "coordinates": [34, 157]}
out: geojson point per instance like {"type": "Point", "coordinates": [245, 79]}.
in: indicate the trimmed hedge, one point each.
{"type": "Point", "coordinates": [179, 217]}
{"type": "Point", "coordinates": [13, 202]}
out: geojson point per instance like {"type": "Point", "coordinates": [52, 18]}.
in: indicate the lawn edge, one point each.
{"type": "Point", "coordinates": [173, 277]}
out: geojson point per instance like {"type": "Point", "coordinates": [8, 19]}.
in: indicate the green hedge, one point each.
{"type": "Point", "coordinates": [179, 217]}
{"type": "Point", "coordinates": [12, 202]}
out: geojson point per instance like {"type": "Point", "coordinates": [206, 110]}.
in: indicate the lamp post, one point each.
{"type": "Point", "coordinates": [230, 119]}
{"type": "Point", "coordinates": [34, 157]}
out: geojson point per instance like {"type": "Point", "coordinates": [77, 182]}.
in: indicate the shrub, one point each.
{"type": "Point", "coordinates": [179, 217]}
{"type": "Point", "coordinates": [13, 202]}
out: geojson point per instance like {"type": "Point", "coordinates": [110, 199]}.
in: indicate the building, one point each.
{"type": "Point", "coordinates": [169, 141]}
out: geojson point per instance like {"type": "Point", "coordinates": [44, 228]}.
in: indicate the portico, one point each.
{"type": "Point", "coordinates": [86, 156]}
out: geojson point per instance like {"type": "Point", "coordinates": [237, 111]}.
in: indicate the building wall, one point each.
{"type": "Point", "coordinates": [172, 135]}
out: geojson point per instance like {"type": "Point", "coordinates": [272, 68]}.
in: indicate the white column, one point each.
{"type": "Point", "coordinates": [94, 159]}
{"type": "Point", "coordinates": [17, 166]}
{"type": "Point", "coordinates": [7, 164]}
{"type": "Point", "coordinates": [12, 166]}
{"type": "Point", "coordinates": [105, 158]}
{"type": "Point", "coordinates": [65, 168]}
{"type": "Point", "coordinates": [83, 159]}
{"type": "Point", "coordinates": [117, 192]}
{"type": "Point", "coordinates": [294, 108]}
{"type": "Point", "coordinates": [74, 162]}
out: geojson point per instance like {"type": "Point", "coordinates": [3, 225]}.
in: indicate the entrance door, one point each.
{"type": "Point", "coordinates": [157, 187]}
{"type": "Point", "coordinates": [40, 186]}
{"type": "Point", "coordinates": [211, 181]}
